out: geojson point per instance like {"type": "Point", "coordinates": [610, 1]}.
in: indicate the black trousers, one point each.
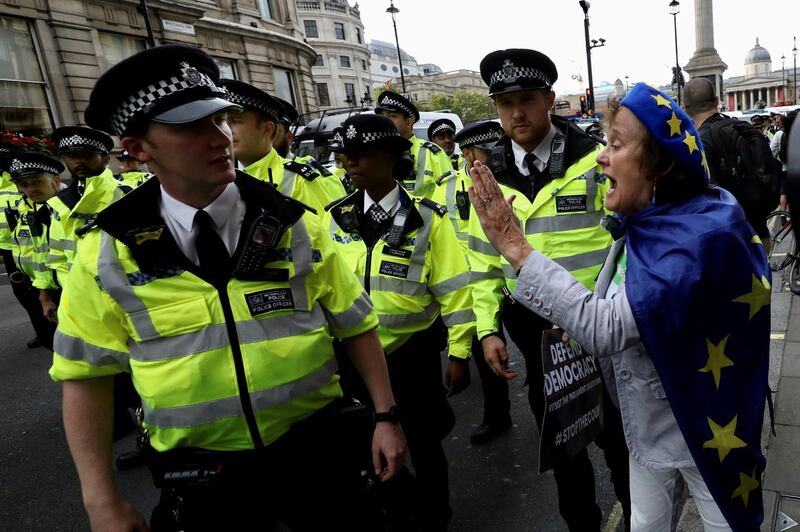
{"type": "Point", "coordinates": [574, 477]}
{"type": "Point", "coordinates": [309, 479]}
{"type": "Point", "coordinates": [28, 297]}
{"type": "Point", "coordinates": [415, 372]}
{"type": "Point", "coordinates": [496, 405]}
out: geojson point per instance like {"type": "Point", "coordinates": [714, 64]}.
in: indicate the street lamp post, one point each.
{"type": "Point", "coordinates": [674, 9]}
{"type": "Point", "coordinates": [585, 6]}
{"type": "Point", "coordinates": [391, 9]}
{"type": "Point", "coordinates": [783, 75]}
{"type": "Point", "coordinates": [626, 84]}
{"type": "Point", "coordinates": [794, 85]}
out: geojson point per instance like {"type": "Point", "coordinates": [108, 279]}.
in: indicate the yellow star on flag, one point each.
{"type": "Point", "coordinates": [756, 240]}
{"type": "Point", "coordinates": [674, 125]}
{"type": "Point", "coordinates": [758, 298]}
{"type": "Point", "coordinates": [691, 142]}
{"type": "Point", "coordinates": [660, 100]}
{"type": "Point", "coordinates": [724, 439]}
{"type": "Point", "coordinates": [716, 359]}
{"type": "Point", "coordinates": [746, 485]}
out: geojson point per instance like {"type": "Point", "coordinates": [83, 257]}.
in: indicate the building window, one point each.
{"type": "Point", "coordinates": [311, 28]}
{"type": "Point", "coordinates": [227, 70]}
{"type": "Point", "coordinates": [338, 28]}
{"type": "Point", "coordinates": [265, 6]}
{"type": "Point", "coordinates": [283, 84]}
{"type": "Point", "coordinates": [24, 105]}
{"type": "Point", "coordinates": [363, 64]}
{"type": "Point", "coordinates": [405, 71]}
{"type": "Point", "coordinates": [395, 69]}
{"type": "Point", "coordinates": [350, 93]}
{"type": "Point", "coordinates": [358, 35]}
{"type": "Point", "coordinates": [117, 47]}
{"type": "Point", "coordinates": [344, 61]}
{"type": "Point", "coordinates": [319, 61]}
{"type": "Point", "coordinates": [383, 67]}
{"type": "Point", "coordinates": [323, 98]}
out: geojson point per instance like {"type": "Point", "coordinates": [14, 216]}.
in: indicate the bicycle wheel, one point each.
{"type": "Point", "coordinates": [781, 238]}
{"type": "Point", "coordinates": [794, 277]}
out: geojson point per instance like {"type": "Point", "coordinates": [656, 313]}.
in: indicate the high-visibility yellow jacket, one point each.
{"type": "Point", "coordinates": [134, 179]}
{"type": "Point", "coordinates": [29, 242]}
{"type": "Point", "coordinates": [452, 193]}
{"type": "Point", "coordinates": [72, 211]}
{"type": "Point", "coordinates": [221, 368]}
{"type": "Point", "coordinates": [330, 181]}
{"type": "Point", "coordinates": [413, 282]}
{"type": "Point", "coordinates": [9, 196]}
{"type": "Point", "coordinates": [562, 223]}
{"type": "Point", "coordinates": [430, 163]}
{"type": "Point", "coordinates": [296, 180]}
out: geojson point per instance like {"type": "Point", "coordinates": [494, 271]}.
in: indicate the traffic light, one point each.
{"type": "Point", "coordinates": [584, 109]}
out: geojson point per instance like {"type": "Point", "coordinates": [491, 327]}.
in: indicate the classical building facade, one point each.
{"type": "Point", "coordinates": [53, 51]}
{"type": "Point", "coordinates": [385, 65]}
{"type": "Point", "coordinates": [760, 86]}
{"type": "Point", "coordinates": [342, 67]}
{"type": "Point", "coordinates": [423, 88]}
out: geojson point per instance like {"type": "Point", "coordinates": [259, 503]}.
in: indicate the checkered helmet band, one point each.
{"type": "Point", "coordinates": [189, 77]}
{"type": "Point", "coordinates": [368, 136]}
{"type": "Point", "coordinates": [253, 103]}
{"type": "Point", "coordinates": [388, 102]}
{"type": "Point", "coordinates": [18, 166]}
{"type": "Point", "coordinates": [442, 127]}
{"type": "Point", "coordinates": [480, 138]}
{"type": "Point", "coordinates": [78, 140]}
{"type": "Point", "coordinates": [511, 73]}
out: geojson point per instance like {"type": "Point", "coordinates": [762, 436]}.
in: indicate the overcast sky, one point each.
{"type": "Point", "coordinates": [639, 33]}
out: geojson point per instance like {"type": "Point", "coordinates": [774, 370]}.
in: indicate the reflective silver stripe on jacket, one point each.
{"type": "Point", "coordinates": [492, 274]}
{"type": "Point", "coordinates": [73, 348]}
{"type": "Point", "coordinates": [115, 282]}
{"type": "Point", "coordinates": [583, 260]}
{"type": "Point", "coordinates": [287, 183]}
{"type": "Point", "coordinates": [568, 222]}
{"type": "Point", "coordinates": [211, 411]}
{"type": "Point", "coordinates": [476, 244]}
{"type": "Point", "coordinates": [458, 317]}
{"type": "Point", "coordinates": [395, 286]}
{"type": "Point", "coordinates": [420, 180]}
{"type": "Point", "coordinates": [406, 320]}
{"type": "Point", "coordinates": [354, 315]}
{"type": "Point", "coordinates": [450, 285]}
{"type": "Point", "coordinates": [216, 336]}
{"type": "Point", "coordinates": [302, 257]}
{"type": "Point", "coordinates": [63, 245]}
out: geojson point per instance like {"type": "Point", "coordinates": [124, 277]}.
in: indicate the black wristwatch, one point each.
{"type": "Point", "coordinates": [393, 415]}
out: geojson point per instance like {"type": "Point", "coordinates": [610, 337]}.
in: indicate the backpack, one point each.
{"type": "Point", "coordinates": [746, 166]}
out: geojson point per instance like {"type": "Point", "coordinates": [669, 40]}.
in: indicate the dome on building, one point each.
{"type": "Point", "coordinates": [758, 54]}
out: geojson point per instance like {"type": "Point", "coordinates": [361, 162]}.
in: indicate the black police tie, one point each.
{"type": "Point", "coordinates": [211, 250]}
{"type": "Point", "coordinates": [378, 214]}
{"type": "Point", "coordinates": [535, 175]}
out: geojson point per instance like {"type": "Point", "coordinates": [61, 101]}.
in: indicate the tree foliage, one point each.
{"type": "Point", "coordinates": [468, 105]}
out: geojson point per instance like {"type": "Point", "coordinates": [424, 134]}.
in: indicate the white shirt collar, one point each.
{"type": "Point", "coordinates": [390, 202]}
{"type": "Point", "coordinates": [542, 152]}
{"type": "Point", "coordinates": [219, 209]}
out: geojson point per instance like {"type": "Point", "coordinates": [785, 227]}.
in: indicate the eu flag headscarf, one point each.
{"type": "Point", "coordinates": [698, 284]}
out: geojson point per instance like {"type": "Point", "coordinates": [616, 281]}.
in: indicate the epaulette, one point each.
{"type": "Point", "coordinates": [336, 202]}
{"type": "Point", "coordinates": [308, 172]}
{"type": "Point", "coordinates": [324, 172]}
{"type": "Point", "coordinates": [431, 146]}
{"type": "Point", "coordinates": [438, 208]}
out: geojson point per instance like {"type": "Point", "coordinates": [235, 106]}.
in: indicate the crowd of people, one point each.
{"type": "Point", "coordinates": [277, 325]}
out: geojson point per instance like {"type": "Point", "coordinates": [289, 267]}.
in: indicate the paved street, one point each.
{"type": "Point", "coordinates": [495, 487]}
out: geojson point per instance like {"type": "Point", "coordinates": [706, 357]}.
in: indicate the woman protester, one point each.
{"type": "Point", "coordinates": [681, 306]}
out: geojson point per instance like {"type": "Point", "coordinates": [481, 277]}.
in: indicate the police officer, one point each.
{"type": "Point", "coordinates": [85, 152]}
{"type": "Point", "coordinates": [430, 161]}
{"type": "Point", "coordinates": [476, 140]}
{"type": "Point", "coordinates": [283, 143]}
{"type": "Point", "coordinates": [220, 296]}
{"type": "Point", "coordinates": [37, 178]}
{"type": "Point", "coordinates": [339, 168]}
{"type": "Point", "coordinates": [131, 172]}
{"type": "Point", "coordinates": [441, 133]}
{"type": "Point", "coordinates": [407, 256]}
{"type": "Point", "coordinates": [254, 131]}
{"type": "Point", "coordinates": [9, 199]}
{"type": "Point", "coordinates": [549, 165]}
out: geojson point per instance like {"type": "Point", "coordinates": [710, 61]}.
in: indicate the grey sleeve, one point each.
{"type": "Point", "coordinates": [604, 327]}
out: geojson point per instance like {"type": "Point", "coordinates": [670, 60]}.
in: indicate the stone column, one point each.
{"type": "Point", "coordinates": [704, 24]}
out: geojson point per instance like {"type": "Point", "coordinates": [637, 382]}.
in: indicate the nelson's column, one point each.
{"type": "Point", "coordinates": [706, 61]}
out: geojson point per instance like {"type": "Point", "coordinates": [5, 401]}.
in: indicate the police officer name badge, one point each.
{"type": "Point", "coordinates": [268, 300]}
{"type": "Point", "coordinates": [573, 400]}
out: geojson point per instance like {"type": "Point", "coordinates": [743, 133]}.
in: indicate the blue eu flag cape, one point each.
{"type": "Point", "coordinates": [699, 289]}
